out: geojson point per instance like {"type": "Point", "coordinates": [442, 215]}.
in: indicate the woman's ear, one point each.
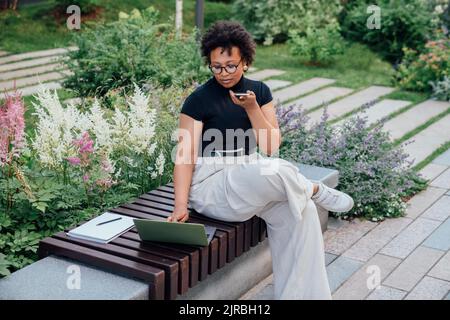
{"type": "Point", "coordinates": [245, 65]}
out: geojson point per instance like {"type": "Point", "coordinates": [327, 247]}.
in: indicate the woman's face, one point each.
{"type": "Point", "coordinates": [220, 58]}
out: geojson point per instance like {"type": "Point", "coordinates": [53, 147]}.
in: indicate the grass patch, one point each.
{"type": "Point", "coordinates": [357, 68]}
{"type": "Point", "coordinates": [414, 97]}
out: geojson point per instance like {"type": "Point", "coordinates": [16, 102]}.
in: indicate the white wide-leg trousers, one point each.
{"type": "Point", "coordinates": [237, 188]}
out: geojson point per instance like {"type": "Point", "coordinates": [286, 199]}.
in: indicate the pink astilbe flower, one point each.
{"type": "Point", "coordinates": [74, 160]}
{"type": "Point", "coordinates": [12, 128]}
{"type": "Point", "coordinates": [107, 166]}
{"type": "Point", "coordinates": [85, 149]}
{"type": "Point", "coordinates": [105, 183]}
{"type": "Point", "coordinates": [85, 144]}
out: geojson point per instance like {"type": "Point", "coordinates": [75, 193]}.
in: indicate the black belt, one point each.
{"type": "Point", "coordinates": [227, 153]}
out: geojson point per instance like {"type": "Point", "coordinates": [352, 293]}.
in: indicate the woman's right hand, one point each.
{"type": "Point", "coordinates": [179, 214]}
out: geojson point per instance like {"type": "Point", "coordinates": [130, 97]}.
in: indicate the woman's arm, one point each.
{"type": "Point", "coordinates": [264, 122]}
{"type": "Point", "coordinates": [189, 132]}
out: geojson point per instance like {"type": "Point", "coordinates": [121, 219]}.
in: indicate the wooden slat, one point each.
{"type": "Point", "coordinates": [247, 234]}
{"type": "Point", "coordinates": [213, 261]}
{"type": "Point", "coordinates": [262, 230]}
{"type": "Point", "coordinates": [255, 231]}
{"type": "Point", "coordinates": [163, 194]}
{"type": "Point", "coordinates": [152, 197]}
{"type": "Point", "coordinates": [153, 276]}
{"type": "Point", "coordinates": [166, 189]}
{"type": "Point", "coordinates": [170, 267]}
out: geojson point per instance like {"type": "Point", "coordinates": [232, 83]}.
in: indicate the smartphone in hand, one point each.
{"type": "Point", "coordinates": [242, 94]}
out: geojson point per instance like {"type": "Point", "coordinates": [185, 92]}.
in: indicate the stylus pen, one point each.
{"type": "Point", "coordinates": [109, 221]}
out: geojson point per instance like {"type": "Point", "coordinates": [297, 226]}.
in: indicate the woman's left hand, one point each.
{"type": "Point", "coordinates": [246, 102]}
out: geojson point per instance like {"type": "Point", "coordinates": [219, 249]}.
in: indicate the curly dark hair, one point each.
{"type": "Point", "coordinates": [226, 34]}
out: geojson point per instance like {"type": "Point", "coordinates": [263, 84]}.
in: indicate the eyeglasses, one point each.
{"type": "Point", "coordinates": [230, 68]}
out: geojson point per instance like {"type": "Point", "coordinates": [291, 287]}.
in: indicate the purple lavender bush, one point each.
{"type": "Point", "coordinates": [374, 172]}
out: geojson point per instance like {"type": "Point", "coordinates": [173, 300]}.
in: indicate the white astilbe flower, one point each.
{"type": "Point", "coordinates": [100, 127]}
{"type": "Point", "coordinates": [129, 161]}
{"type": "Point", "coordinates": [127, 133]}
{"type": "Point", "coordinates": [142, 121]}
{"type": "Point", "coordinates": [135, 129]}
{"type": "Point", "coordinates": [55, 130]}
{"type": "Point", "coordinates": [77, 122]}
{"type": "Point", "coordinates": [152, 148]}
{"type": "Point", "coordinates": [160, 161]}
{"type": "Point", "coordinates": [120, 130]}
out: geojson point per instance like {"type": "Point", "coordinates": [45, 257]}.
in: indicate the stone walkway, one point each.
{"type": "Point", "coordinates": [26, 71]}
{"type": "Point", "coordinates": [411, 252]}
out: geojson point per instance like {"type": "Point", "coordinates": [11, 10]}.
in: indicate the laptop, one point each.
{"type": "Point", "coordinates": [174, 232]}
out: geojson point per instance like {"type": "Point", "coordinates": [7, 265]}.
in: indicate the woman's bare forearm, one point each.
{"type": "Point", "coordinates": [182, 178]}
{"type": "Point", "coordinates": [268, 136]}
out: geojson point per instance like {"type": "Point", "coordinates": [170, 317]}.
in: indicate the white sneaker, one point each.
{"type": "Point", "coordinates": [332, 199]}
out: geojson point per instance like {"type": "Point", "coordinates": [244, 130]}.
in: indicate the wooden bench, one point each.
{"type": "Point", "coordinates": [169, 270]}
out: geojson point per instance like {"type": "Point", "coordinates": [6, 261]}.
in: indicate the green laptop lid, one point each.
{"type": "Point", "coordinates": [174, 232]}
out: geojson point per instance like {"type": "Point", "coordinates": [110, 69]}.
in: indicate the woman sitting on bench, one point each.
{"type": "Point", "coordinates": [219, 171]}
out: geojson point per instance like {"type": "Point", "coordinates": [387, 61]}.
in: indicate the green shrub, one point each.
{"type": "Point", "coordinates": [441, 12]}
{"type": "Point", "coordinates": [4, 264]}
{"type": "Point", "coordinates": [317, 46]}
{"type": "Point", "coordinates": [441, 89]}
{"type": "Point", "coordinates": [215, 12]}
{"type": "Point", "coordinates": [404, 23]}
{"type": "Point", "coordinates": [419, 69]}
{"type": "Point", "coordinates": [270, 21]}
{"type": "Point", "coordinates": [133, 50]}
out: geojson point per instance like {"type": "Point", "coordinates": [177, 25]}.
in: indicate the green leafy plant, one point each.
{"type": "Point", "coordinates": [400, 26]}
{"type": "Point", "coordinates": [4, 264]}
{"type": "Point", "coordinates": [270, 21]}
{"type": "Point", "coordinates": [419, 70]}
{"type": "Point", "coordinates": [441, 89]}
{"type": "Point", "coordinates": [317, 46]}
{"type": "Point", "coordinates": [134, 49]}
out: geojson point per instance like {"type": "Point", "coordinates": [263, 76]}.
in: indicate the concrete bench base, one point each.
{"type": "Point", "coordinates": [47, 279]}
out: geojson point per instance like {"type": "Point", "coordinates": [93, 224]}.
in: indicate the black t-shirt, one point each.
{"type": "Point", "coordinates": [226, 126]}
